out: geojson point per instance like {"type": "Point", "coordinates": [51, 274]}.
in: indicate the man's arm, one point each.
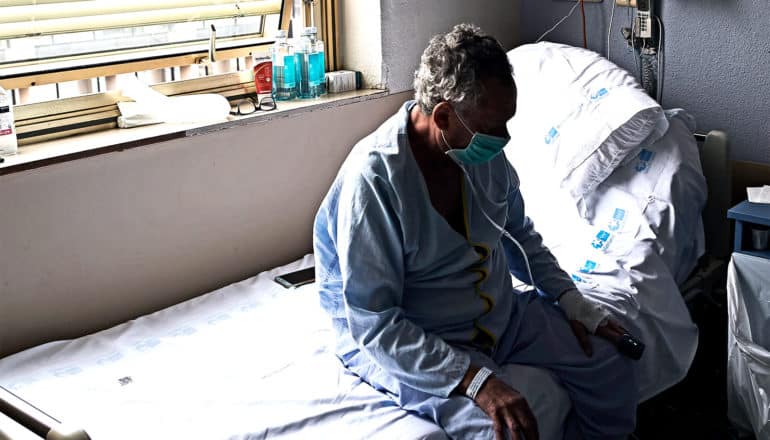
{"type": "Point", "coordinates": [371, 257]}
{"type": "Point", "coordinates": [585, 315]}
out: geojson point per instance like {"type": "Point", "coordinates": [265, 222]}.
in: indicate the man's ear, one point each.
{"type": "Point", "coordinates": [441, 114]}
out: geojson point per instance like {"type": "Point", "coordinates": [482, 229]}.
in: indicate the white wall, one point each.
{"type": "Point", "coordinates": [92, 242]}
{"type": "Point", "coordinates": [361, 45]}
{"type": "Point", "coordinates": [385, 38]}
{"type": "Point", "coordinates": [407, 27]}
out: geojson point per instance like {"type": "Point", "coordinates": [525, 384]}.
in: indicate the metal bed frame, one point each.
{"type": "Point", "coordinates": [711, 269]}
{"type": "Point", "coordinates": [20, 420]}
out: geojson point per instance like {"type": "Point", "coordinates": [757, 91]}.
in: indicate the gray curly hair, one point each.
{"type": "Point", "coordinates": [453, 64]}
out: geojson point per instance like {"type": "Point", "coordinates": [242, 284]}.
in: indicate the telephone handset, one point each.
{"type": "Point", "coordinates": [643, 28]}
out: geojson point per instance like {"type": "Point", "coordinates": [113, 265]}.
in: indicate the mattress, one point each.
{"type": "Point", "coordinates": [248, 361]}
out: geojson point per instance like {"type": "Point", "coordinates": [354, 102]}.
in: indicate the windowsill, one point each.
{"type": "Point", "coordinates": [117, 139]}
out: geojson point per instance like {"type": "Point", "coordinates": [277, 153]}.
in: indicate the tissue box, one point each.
{"type": "Point", "coordinates": [343, 81]}
{"type": "Point", "coordinates": [759, 194]}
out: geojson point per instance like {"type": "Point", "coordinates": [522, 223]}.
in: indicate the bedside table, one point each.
{"type": "Point", "coordinates": [746, 215]}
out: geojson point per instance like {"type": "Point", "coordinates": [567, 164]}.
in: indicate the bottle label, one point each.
{"type": "Point", "coordinates": [6, 123]}
{"type": "Point", "coordinates": [8, 143]}
{"type": "Point", "coordinates": [263, 76]}
{"type": "Point", "coordinates": [289, 71]}
{"type": "Point", "coordinates": [317, 68]}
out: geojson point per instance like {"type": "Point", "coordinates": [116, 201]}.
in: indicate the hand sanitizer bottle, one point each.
{"type": "Point", "coordinates": [284, 68]}
{"type": "Point", "coordinates": [312, 83]}
{"type": "Point", "coordinates": [8, 143]}
{"type": "Point", "coordinates": [317, 63]}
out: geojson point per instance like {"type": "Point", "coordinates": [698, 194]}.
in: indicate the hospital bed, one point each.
{"type": "Point", "coordinates": [617, 187]}
{"type": "Point", "coordinates": [253, 360]}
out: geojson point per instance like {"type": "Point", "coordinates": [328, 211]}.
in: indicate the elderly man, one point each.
{"type": "Point", "coordinates": [415, 244]}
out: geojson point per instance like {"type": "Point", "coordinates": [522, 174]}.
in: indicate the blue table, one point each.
{"type": "Point", "coordinates": [746, 214]}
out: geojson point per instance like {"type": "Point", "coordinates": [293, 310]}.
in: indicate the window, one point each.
{"type": "Point", "coordinates": [76, 53]}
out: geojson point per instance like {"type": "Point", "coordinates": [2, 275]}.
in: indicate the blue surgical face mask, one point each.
{"type": "Point", "coordinates": [482, 147]}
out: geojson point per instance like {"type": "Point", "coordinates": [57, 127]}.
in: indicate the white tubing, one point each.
{"type": "Point", "coordinates": [499, 228]}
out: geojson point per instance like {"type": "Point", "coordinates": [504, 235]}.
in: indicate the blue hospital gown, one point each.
{"type": "Point", "coordinates": [413, 301]}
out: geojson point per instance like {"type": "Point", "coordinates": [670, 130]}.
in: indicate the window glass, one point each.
{"type": "Point", "coordinates": [51, 49]}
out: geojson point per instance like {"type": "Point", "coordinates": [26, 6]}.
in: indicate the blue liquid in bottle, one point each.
{"type": "Point", "coordinates": [285, 79]}
{"type": "Point", "coordinates": [312, 69]}
{"type": "Point", "coordinates": [284, 69]}
{"type": "Point", "coordinates": [305, 89]}
{"type": "Point", "coordinates": [317, 73]}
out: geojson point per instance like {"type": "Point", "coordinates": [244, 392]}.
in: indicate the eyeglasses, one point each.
{"type": "Point", "coordinates": [251, 104]}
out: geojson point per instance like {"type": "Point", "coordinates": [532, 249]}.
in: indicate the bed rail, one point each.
{"type": "Point", "coordinates": [714, 157]}
{"type": "Point", "coordinates": [33, 420]}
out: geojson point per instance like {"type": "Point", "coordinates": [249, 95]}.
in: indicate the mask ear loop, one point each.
{"type": "Point", "coordinates": [498, 227]}
{"type": "Point", "coordinates": [464, 124]}
{"type": "Point", "coordinates": [449, 147]}
{"type": "Point", "coordinates": [443, 137]}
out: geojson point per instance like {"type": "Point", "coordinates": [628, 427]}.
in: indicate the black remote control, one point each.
{"type": "Point", "coordinates": [631, 347]}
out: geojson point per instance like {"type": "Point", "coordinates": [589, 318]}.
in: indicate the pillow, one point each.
{"type": "Point", "coordinates": [578, 114]}
{"type": "Point", "coordinates": [666, 181]}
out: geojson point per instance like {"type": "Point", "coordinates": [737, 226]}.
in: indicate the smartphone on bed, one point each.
{"type": "Point", "coordinates": [296, 278]}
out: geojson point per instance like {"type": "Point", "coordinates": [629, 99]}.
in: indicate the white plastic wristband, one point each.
{"type": "Point", "coordinates": [478, 380]}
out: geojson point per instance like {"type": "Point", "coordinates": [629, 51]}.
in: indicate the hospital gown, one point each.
{"type": "Point", "coordinates": [414, 303]}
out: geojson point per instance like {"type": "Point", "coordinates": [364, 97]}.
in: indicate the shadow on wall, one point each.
{"type": "Point", "coordinates": [716, 53]}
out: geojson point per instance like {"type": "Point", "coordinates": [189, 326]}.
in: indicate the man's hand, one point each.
{"type": "Point", "coordinates": [507, 409]}
{"type": "Point", "coordinates": [586, 316]}
{"type": "Point", "coordinates": [505, 406]}
{"type": "Point", "coordinates": [611, 331]}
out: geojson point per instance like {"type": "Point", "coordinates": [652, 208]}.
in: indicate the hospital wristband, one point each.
{"type": "Point", "coordinates": [478, 380]}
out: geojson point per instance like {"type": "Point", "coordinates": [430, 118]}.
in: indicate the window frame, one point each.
{"type": "Point", "coordinates": [26, 73]}
{"type": "Point", "coordinates": [48, 120]}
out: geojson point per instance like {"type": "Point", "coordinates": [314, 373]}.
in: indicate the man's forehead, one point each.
{"type": "Point", "coordinates": [495, 93]}
{"type": "Point", "coordinates": [498, 102]}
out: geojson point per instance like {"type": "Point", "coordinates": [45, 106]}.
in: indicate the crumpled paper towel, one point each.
{"type": "Point", "coordinates": [151, 107]}
{"type": "Point", "coordinates": [759, 194]}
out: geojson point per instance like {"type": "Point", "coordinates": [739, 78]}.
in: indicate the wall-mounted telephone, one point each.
{"type": "Point", "coordinates": [640, 37]}
{"type": "Point", "coordinates": [644, 17]}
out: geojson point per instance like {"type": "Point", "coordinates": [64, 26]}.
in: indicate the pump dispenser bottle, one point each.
{"type": "Point", "coordinates": [310, 53]}
{"type": "Point", "coordinates": [284, 68]}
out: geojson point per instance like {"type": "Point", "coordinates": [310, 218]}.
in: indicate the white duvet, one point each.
{"type": "Point", "coordinates": [629, 242]}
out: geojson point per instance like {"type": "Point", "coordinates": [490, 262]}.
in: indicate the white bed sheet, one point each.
{"type": "Point", "coordinates": [248, 361]}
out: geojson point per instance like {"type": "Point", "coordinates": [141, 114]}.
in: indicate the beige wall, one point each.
{"type": "Point", "coordinates": [407, 27]}
{"type": "Point", "coordinates": [384, 39]}
{"type": "Point", "coordinates": [93, 242]}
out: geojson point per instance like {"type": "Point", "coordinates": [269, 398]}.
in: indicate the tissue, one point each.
{"type": "Point", "coordinates": [152, 107]}
{"type": "Point", "coordinates": [759, 194]}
